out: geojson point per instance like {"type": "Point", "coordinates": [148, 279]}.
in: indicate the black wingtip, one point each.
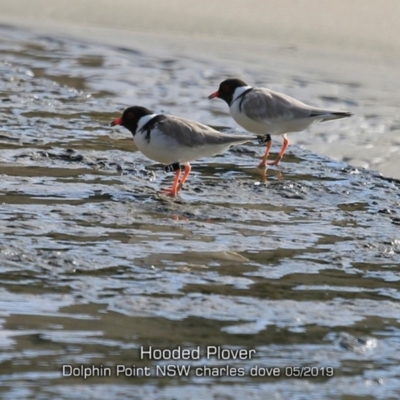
{"type": "Point", "coordinates": [335, 114]}
{"type": "Point", "coordinates": [343, 114]}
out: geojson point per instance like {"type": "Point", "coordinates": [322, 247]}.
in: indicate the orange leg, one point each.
{"type": "Point", "coordinates": [188, 168]}
{"type": "Point", "coordinates": [263, 162]}
{"type": "Point", "coordinates": [175, 187]}
{"type": "Point", "coordinates": [178, 183]}
{"type": "Point", "coordinates": [282, 152]}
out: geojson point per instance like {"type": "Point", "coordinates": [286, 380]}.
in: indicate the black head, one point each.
{"type": "Point", "coordinates": [130, 118]}
{"type": "Point", "coordinates": [227, 89]}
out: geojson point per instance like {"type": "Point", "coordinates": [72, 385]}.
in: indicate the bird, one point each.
{"type": "Point", "coordinates": [172, 140]}
{"type": "Point", "coordinates": [267, 112]}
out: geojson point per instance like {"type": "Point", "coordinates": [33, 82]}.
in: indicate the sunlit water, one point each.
{"type": "Point", "coordinates": [300, 268]}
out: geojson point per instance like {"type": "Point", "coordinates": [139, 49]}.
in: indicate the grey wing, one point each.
{"type": "Point", "coordinates": [194, 134]}
{"type": "Point", "coordinates": [266, 105]}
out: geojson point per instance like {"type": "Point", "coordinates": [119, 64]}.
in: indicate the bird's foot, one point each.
{"type": "Point", "coordinates": [262, 165]}
{"type": "Point", "coordinates": [174, 191]}
{"type": "Point", "coordinates": [276, 162]}
{"type": "Point", "coordinates": [169, 192]}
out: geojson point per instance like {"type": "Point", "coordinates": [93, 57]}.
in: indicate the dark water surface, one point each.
{"type": "Point", "coordinates": [302, 266]}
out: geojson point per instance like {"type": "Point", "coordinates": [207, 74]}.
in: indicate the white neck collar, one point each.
{"type": "Point", "coordinates": [239, 91]}
{"type": "Point", "coordinates": [144, 120]}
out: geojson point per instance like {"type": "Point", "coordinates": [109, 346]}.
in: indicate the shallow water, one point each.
{"type": "Point", "coordinates": [301, 265]}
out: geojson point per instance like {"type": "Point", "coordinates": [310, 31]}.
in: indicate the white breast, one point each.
{"type": "Point", "coordinates": [247, 123]}
{"type": "Point", "coordinates": [158, 147]}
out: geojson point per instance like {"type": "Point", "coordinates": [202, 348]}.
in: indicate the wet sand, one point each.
{"type": "Point", "coordinates": [300, 265]}
{"type": "Point", "coordinates": [339, 53]}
